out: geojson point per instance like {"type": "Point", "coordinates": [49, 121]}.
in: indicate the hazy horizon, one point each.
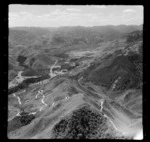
{"type": "Point", "coordinates": [70, 26]}
{"type": "Point", "coordinates": [55, 16]}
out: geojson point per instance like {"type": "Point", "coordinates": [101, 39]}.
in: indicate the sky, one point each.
{"type": "Point", "coordinates": [73, 15]}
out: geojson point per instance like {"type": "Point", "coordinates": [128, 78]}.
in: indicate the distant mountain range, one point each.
{"type": "Point", "coordinates": [27, 35]}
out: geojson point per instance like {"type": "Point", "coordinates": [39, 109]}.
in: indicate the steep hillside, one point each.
{"type": "Point", "coordinates": [123, 69]}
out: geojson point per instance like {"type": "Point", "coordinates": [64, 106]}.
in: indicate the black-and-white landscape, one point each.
{"type": "Point", "coordinates": [77, 78]}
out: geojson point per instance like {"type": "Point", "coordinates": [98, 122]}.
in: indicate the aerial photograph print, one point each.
{"type": "Point", "coordinates": [75, 72]}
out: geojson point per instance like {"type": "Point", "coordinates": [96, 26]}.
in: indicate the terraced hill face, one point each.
{"type": "Point", "coordinates": [63, 75]}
